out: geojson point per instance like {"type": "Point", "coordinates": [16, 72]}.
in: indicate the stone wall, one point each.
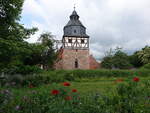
{"type": "Point", "coordinates": [70, 55]}
{"type": "Point", "coordinates": [67, 57]}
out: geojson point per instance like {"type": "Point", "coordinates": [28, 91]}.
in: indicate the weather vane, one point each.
{"type": "Point", "coordinates": [74, 7]}
{"type": "Point", "coordinates": [75, 1]}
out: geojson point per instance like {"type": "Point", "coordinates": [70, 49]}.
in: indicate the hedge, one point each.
{"type": "Point", "coordinates": [64, 75]}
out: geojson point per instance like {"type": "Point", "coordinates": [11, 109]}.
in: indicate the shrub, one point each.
{"type": "Point", "coordinates": [69, 75]}
{"type": "Point", "coordinates": [22, 69]}
{"type": "Point", "coordinates": [108, 73]}
{"type": "Point", "coordinates": [146, 66]}
{"type": "Point", "coordinates": [35, 79]}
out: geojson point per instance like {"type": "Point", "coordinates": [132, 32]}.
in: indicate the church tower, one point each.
{"type": "Point", "coordinates": [74, 53]}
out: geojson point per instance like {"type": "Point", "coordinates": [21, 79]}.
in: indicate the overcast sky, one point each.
{"type": "Point", "coordinates": [109, 23]}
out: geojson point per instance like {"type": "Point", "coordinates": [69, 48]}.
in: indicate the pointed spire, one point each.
{"type": "Point", "coordinates": [74, 15]}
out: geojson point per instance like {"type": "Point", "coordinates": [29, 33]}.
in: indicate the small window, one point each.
{"type": "Point", "coordinates": [75, 31]}
{"type": "Point", "coordinates": [76, 63]}
{"type": "Point", "coordinates": [82, 41]}
{"type": "Point", "coordinates": [70, 40]}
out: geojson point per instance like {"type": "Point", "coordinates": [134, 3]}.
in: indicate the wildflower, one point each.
{"type": "Point", "coordinates": [74, 90]}
{"type": "Point", "coordinates": [68, 98]}
{"type": "Point", "coordinates": [136, 79]}
{"type": "Point", "coordinates": [66, 84]}
{"type": "Point", "coordinates": [54, 92]}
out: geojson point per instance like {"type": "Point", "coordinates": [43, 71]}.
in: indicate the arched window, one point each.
{"type": "Point", "coordinates": [76, 63]}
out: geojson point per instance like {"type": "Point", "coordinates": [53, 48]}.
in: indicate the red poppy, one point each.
{"type": "Point", "coordinates": [54, 92]}
{"type": "Point", "coordinates": [31, 86]}
{"type": "Point", "coordinates": [136, 79]}
{"type": "Point", "coordinates": [66, 84]}
{"type": "Point", "coordinates": [74, 90]}
{"type": "Point", "coordinates": [68, 98]}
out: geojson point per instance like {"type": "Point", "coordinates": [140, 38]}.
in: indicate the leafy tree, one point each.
{"type": "Point", "coordinates": [118, 60]}
{"type": "Point", "coordinates": [144, 55]}
{"type": "Point", "coordinates": [121, 60]}
{"type": "Point", "coordinates": [107, 61]}
{"type": "Point", "coordinates": [15, 52]}
{"type": "Point", "coordinates": [48, 55]}
{"type": "Point", "coordinates": [135, 60]}
{"type": "Point", "coordinates": [13, 48]}
{"type": "Point", "coordinates": [10, 11]}
{"type": "Point", "coordinates": [35, 55]}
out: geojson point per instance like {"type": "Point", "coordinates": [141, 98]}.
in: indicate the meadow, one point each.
{"type": "Point", "coordinates": [78, 95]}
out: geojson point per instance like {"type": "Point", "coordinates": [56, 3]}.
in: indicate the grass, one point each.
{"type": "Point", "coordinates": [104, 85]}
{"type": "Point", "coordinates": [93, 93]}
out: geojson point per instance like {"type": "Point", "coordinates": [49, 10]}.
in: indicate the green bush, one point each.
{"type": "Point", "coordinates": [21, 69]}
{"type": "Point", "coordinates": [67, 75]}
{"type": "Point", "coordinates": [146, 66]}
{"type": "Point", "coordinates": [36, 79]}
{"type": "Point", "coordinates": [108, 73]}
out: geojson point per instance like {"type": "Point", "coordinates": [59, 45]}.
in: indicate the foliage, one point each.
{"type": "Point", "coordinates": [118, 60]}
{"type": "Point", "coordinates": [48, 55]}
{"type": "Point", "coordinates": [146, 66]}
{"type": "Point", "coordinates": [132, 96]}
{"type": "Point", "coordinates": [128, 97]}
{"type": "Point", "coordinates": [33, 78]}
{"type": "Point", "coordinates": [107, 62]}
{"type": "Point", "coordinates": [23, 69]}
{"type": "Point", "coordinates": [121, 61]}
{"type": "Point", "coordinates": [144, 54]}
{"type": "Point", "coordinates": [108, 73]}
{"type": "Point", "coordinates": [13, 48]}
{"type": "Point", "coordinates": [38, 77]}
{"type": "Point", "coordinates": [34, 56]}
{"type": "Point", "coordinates": [135, 60]}
{"type": "Point", "coordinates": [5, 98]}
{"type": "Point", "coordinates": [17, 55]}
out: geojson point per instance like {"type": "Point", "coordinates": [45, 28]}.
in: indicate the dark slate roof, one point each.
{"type": "Point", "coordinates": [74, 27]}
{"type": "Point", "coordinates": [74, 20]}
